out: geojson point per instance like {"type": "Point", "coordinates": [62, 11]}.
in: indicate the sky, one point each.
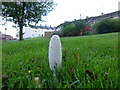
{"type": "Point", "coordinates": [68, 10]}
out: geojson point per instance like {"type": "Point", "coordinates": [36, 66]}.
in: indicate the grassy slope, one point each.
{"type": "Point", "coordinates": [25, 60]}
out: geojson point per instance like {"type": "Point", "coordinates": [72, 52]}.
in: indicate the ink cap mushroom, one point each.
{"type": "Point", "coordinates": [55, 53]}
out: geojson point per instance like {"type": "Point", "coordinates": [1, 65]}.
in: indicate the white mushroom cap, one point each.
{"type": "Point", "coordinates": [55, 53]}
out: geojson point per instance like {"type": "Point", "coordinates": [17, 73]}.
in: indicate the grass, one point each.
{"type": "Point", "coordinates": [23, 61]}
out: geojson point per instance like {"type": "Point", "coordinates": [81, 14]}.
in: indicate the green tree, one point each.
{"type": "Point", "coordinates": [116, 23]}
{"type": "Point", "coordinates": [74, 28]}
{"type": "Point", "coordinates": [104, 26]}
{"type": "Point", "coordinates": [26, 13]}
{"type": "Point", "coordinates": [79, 27]}
{"type": "Point", "coordinates": [68, 30]}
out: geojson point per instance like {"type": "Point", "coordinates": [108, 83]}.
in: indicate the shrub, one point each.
{"type": "Point", "coordinates": [89, 33]}
{"type": "Point", "coordinates": [116, 23]}
{"type": "Point", "coordinates": [74, 28]}
{"type": "Point", "coordinates": [59, 33]}
{"type": "Point", "coordinates": [88, 28]}
{"type": "Point", "coordinates": [107, 26]}
{"type": "Point", "coordinates": [68, 30]}
{"type": "Point", "coordinates": [79, 27]}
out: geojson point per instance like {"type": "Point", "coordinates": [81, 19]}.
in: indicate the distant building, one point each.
{"type": "Point", "coordinates": [48, 34]}
{"type": "Point", "coordinates": [113, 15]}
{"type": "Point", "coordinates": [91, 20]}
{"type": "Point", "coordinates": [5, 37]}
{"type": "Point", "coordinates": [39, 31]}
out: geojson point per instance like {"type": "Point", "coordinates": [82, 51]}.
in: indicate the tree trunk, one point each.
{"type": "Point", "coordinates": [21, 23]}
{"type": "Point", "coordinates": [21, 33]}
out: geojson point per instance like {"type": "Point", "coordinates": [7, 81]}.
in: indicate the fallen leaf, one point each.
{"type": "Point", "coordinates": [72, 68]}
{"type": "Point", "coordinates": [91, 74]}
{"type": "Point", "coordinates": [77, 58]}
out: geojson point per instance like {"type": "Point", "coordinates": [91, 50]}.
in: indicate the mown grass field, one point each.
{"type": "Point", "coordinates": [23, 61]}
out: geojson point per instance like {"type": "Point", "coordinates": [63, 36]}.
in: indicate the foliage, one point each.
{"type": "Point", "coordinates": [116, 23]}
{"type": "Point", "coordinates": [60, 33]}
{"type": "Point", "coordinates": [68, 30]}
{"type": "Point", "coordinates": [79, 27]}
{"type": "Point", "coordinates": [88, 28]}
{"type": "Point", "coordinates": [23, 61]}
{"type": "Point", "coordinates": [89, 33]}
{"type": "Point", "coordinates": [73, 28]}
{"type": "Point", "coordinates": [26, 13]}
{"type": "Point", "coordinates": [107, 26]}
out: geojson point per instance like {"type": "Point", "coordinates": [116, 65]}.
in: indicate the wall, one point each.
{"type": "Point", "coordinates": [48, 34]}
{"type": "Point", "coordinates": [33, 32]}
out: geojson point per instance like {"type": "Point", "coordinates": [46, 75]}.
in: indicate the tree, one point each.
{"type": "Point", "coordinates": [79, 27]}
{"type": "Point", "coordinates": [88, 28]}
{"type": "Point", "coordinates": [104, 26]}
{"type": "Point", "coordinates": [68, 30]}
{"type": "Point", "coordinates": [74, 28]}
{"type": "Point", "coordinates": [116, 23]}
{"type": "Point", "coordinates": [26, 13]}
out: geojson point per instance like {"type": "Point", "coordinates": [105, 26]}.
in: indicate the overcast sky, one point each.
{"type": "Point", "coordinates": [68, 10]}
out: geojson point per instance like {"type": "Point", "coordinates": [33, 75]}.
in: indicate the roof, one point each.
{"type": "Point", "coordinates": [4, 35]}
{"type": "Point", "coordinates": [44, 27]}
{"type": "Point", "coordinates": [106, 15]}
{"type": "Point", "coordinates": [94, 18]}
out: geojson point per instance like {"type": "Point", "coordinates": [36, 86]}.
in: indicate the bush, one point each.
{"type": "Point", "coordinates": [79, 27]}
{"type": "Point", "coordinates": [74, 28]}
{"type": "Point", "coordinates": [68, 30]}
{"type": "Point", "coordinates": [89, 33]}
{"type": "Point", "coordinates": [60, 33]}
{"type": "Point", "coordinates": [107, 26]}
{"type": "Point", "coordinates": [116, 23]}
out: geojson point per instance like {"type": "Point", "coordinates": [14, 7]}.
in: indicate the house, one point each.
{"type": "Point", "coordinates": [91, 20]}
{"type": "Point", "coordinates": [112, 15]}
{"type": "Point", "coordinates": [5, 37]}
{"type": "Point", "coordinates": [38, 31]}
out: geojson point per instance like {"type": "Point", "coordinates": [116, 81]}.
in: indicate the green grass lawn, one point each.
{"type": "Point", "coordinates": [23, 61]}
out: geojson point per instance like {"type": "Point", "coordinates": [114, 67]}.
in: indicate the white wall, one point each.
{"type": "Point", "coordinates": [27, 33]}
{"type": "Point", "coordinates": [32, 32]}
